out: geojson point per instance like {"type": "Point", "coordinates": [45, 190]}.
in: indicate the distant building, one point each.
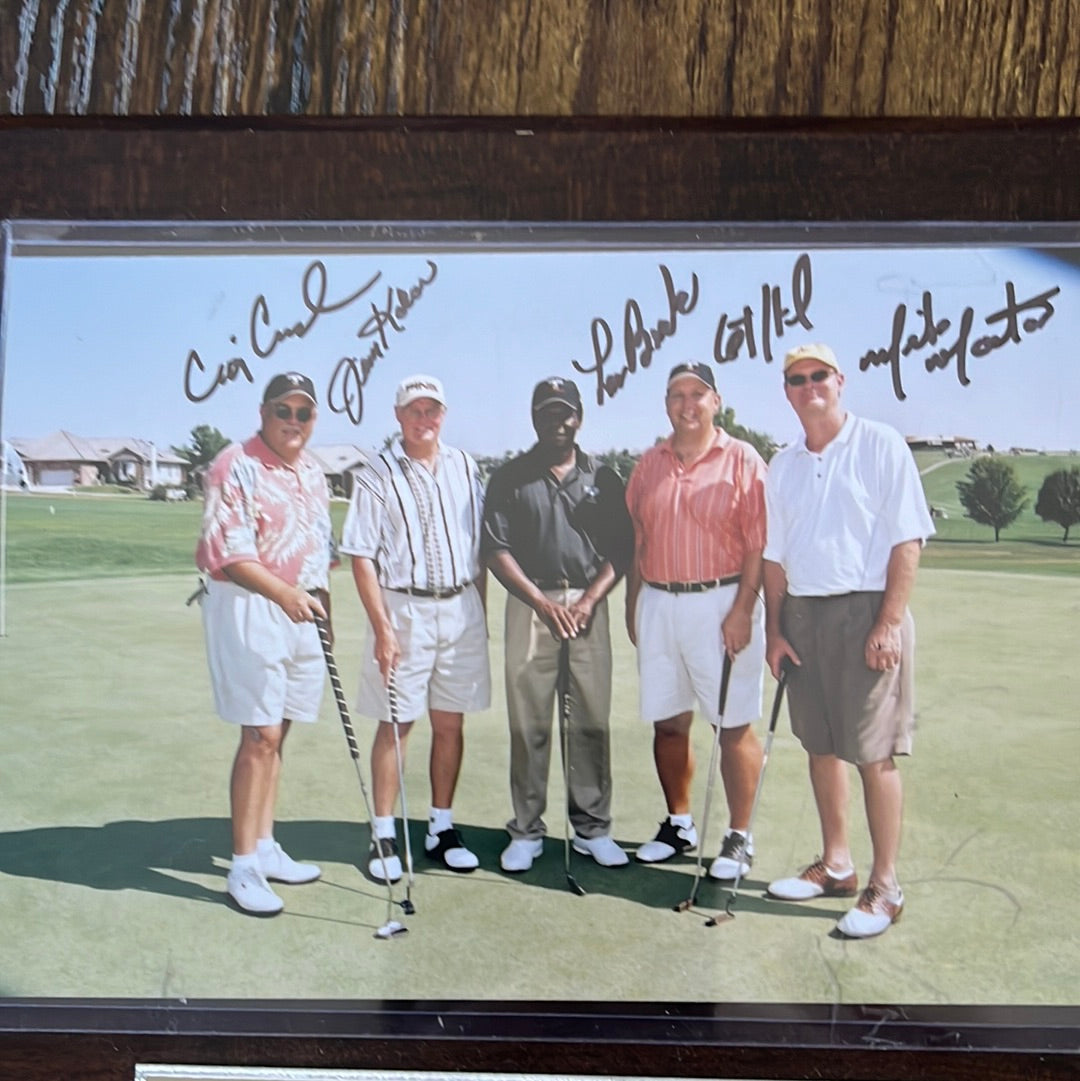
{"type": "Point", "coordinates": [64, 460]}
{"type": "Point", "coordinates": [338, 460]}
{"type": "Point", "coordinates": [956, 444]}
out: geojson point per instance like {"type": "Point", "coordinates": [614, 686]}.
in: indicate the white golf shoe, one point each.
{"type": "Point", "coordinates": [874, 913]}
{"type": "Point", "coordinates": [384, 862]}
{"type": "Point", "coordinates": [602, 849]}
{"type": "Point", "coordinates": [279, 866]}
{"type": "Point", "coordinates": [447, 848]}
{"type": "Point", "coordinates": [735, 858]}
{"type": "Point", "coordinates": [670, 840]}
{"type": "Point", "coordinates": [249, 889]}
{"type": "Point", "coordinates": [518, 855]}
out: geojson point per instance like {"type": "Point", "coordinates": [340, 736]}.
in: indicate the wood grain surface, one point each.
{"type": "Point", "coordinates": [718, 58]}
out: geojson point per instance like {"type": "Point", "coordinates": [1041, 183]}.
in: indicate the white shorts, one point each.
{"type": "Point", "coordinates": [444, 658]}
{"type": "Point", "coordinates": [263, 667]}
{"type": "Point", "coordinates": [680, 653]}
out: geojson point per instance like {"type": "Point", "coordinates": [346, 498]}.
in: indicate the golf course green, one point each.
{"type": "Point", "coordinates": [114, 835]}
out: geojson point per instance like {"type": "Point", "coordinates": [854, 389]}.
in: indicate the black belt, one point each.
{"type": "Point", "coordinates": [694, 587]}
{"type": "Point", "coordinates": [556, 583]}
{"type": "Point", "coordinates": [433, 594]}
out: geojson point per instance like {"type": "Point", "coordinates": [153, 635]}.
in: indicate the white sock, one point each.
{"type": "Point", "coordinates": [264, 846]}
{"type": "Point", "coordinates": [838, 874]}
{"type": "Point", "coordinates": [384, 826]}
{"type": "Point", "coordinates": [686, 821]}
{"type": "Point", "coordinates": [439, 819]}
{"type": "Point", "coordinates": [248, 859]}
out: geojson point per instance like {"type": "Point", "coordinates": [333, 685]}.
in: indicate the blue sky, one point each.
{"type": "Point", "coordinates": [99, 344]}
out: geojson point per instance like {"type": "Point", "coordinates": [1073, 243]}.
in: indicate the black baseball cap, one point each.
{"type": "Point", "coordinates": [697, 370]}
{"type": "Point", "coordinates": [556, 390]}
{"type": "Point", "coordinates": [281, 386]}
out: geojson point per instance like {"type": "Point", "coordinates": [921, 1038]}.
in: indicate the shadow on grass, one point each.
{"type": "Point", "coordinates": [660, 886]}
{"type": "Point", "coordinates": [142, 855]}
{"type": "Point", "coordinates": [138, 855]}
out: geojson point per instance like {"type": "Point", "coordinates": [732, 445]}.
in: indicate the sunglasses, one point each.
{"type": "Point", "coordinates": [303, 414]}
{"type": "Point", "coordinates": [814, 377]}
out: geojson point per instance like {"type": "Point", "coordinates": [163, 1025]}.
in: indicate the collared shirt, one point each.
{"type": "Point", "coordinates": [557, 530]}
{"type": "Point", "coordinates": [259, 508]}
{"type": "Point", "coordinates": [421, 529]}
{"type": "Point", "coordinates": [835, 516]}
{"type": "Point", "coordinates": [696, 523]}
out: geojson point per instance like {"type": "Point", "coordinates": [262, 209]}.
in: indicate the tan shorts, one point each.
{"type": "Point", "coordinates": [444, 657]}
{"type": "Point", "coordinates": [838, 705]}
{"type": "Point", "coordinates": [263, 667]}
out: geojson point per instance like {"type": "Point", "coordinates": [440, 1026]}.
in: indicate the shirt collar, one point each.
{"type": "Point", "coordinates": [843, 436]}
{"type": "Point", "coordinates": [257, 447]}
{"type": "Point", "coordinates": [720, 440]}
{"type": "Point", "coordinates": [398, 449]}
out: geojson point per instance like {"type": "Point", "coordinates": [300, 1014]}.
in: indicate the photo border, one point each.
{"type": "Point", "coordinates": [523, 170]}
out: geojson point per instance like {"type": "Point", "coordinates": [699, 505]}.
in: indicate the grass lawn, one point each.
{"type": "Point", "coordinates": [114, 834]}
{"type": "Point", "coordinates": [1028, 546]}
{"type": "Point", "coordinates": [114, 838]}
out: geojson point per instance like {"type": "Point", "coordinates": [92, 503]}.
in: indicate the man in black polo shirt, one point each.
{"type": "Point", "coordinates": [558, 536]}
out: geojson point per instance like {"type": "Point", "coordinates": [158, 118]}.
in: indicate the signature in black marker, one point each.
{"type": "Point", "coordinates": [932, 330]}
{"type": "Point", "coordinates": [639, 342]}
{"type": "Point", "coordinates": [733, 334]}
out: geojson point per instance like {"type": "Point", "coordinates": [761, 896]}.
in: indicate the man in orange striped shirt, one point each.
{"type": "Point", "coordinates": [697, 501]}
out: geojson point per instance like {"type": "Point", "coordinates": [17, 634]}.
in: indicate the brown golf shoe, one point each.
{"type": "Point", "coordinates": [874, 913]}
{"type": "Point", "coordinates": [816, 881]}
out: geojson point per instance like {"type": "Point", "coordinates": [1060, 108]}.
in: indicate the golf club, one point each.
{"type": "Point", "coordinates": [391, 694]}
{"type": "Point", "coordinates": [391, 927]}
{"type": "Point", "coordinates": [781, 683]}
{"type": "Point", "coordinates": [714, 757]}
{"type": "Point", "coordinates": [562, 688]}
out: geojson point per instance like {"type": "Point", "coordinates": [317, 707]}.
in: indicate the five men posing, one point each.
{"type": "Point", "coordinates": [833, 528]}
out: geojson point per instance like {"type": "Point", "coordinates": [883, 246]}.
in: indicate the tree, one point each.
{"type": "Point", "coordinates": [992, 494]}
{"type": "Point", "coordinates": [1059, 499]}
{"type": "Point", "coordinates": [764, 444]}
{"type": "Point", "coordinates": [206, 442]}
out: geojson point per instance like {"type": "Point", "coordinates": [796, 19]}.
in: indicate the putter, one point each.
{"type": "Point", "coordinates": [562, 687]}
{"type": "Point", "coordinates": [391, 927]}
{"type": "Point", "coordinates": [781, 683]}
{"type": "Point", "coordinates": [714, 757]}
{"type": "Point", "coordinates": [391, 695]}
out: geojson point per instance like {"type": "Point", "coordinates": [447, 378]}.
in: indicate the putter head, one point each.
{"type": "Point", "coordinates": [720, 917]}
{"type": "Point", "coordinates": [575, 886]}
{"type": "Point", "coordinates": [390, 929]}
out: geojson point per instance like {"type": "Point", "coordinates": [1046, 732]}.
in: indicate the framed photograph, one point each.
{"type": "Point", "coordinates": [139, 331]}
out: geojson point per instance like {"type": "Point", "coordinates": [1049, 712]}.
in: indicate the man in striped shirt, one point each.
{"type": "Point", "coordinates": [413, 531]}
{"type": "Point", "coordinates": [697, 501]}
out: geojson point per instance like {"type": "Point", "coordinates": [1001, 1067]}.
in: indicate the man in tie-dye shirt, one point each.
{"type": "Point", "coordinates": [266, 549]}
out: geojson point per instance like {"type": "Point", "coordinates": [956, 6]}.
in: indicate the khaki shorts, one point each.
{"type": "Point", "coordinates": [263, 667]}
{"type": "Point", "coordinates": [444, 657]}
{"type": "Point", "coordinates": [838, 705]}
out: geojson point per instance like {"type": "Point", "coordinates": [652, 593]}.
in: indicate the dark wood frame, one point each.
{"type": "Point", "coordinates": [539, 170]}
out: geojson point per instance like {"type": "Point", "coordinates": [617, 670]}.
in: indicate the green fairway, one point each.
{"type": "Point", "coordinates": [57, 536]}
{"type": "Point", "coordinates": [114, 837]}
{"type": "Point", "coordinates": [1028, 546]}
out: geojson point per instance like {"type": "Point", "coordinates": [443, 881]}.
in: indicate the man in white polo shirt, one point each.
{"type": "Point", "coordinates": [413, 531]}
{"type": "Point", "coordinates": [847, 519]}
